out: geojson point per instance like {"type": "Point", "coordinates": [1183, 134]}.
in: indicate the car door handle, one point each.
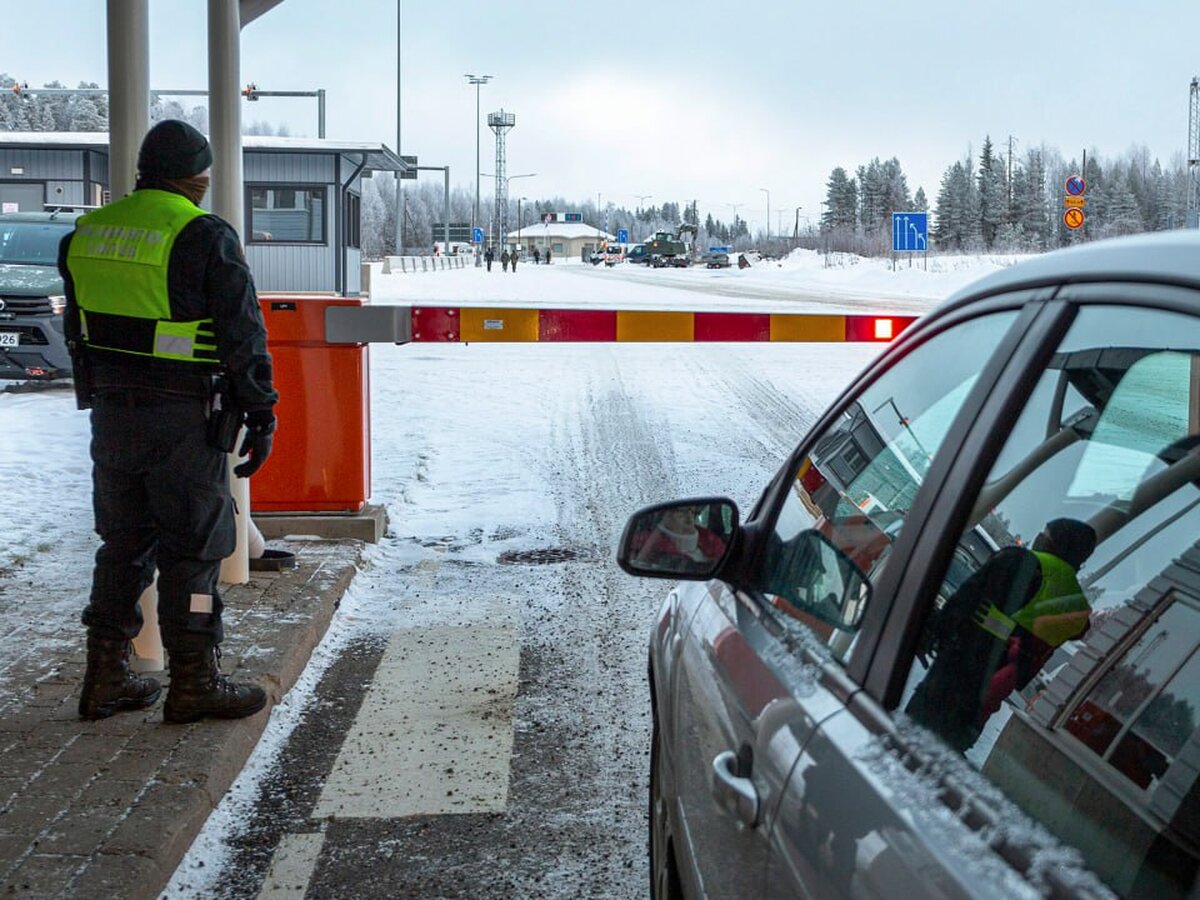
{"type": "Point", "coordinates": [733, 793]}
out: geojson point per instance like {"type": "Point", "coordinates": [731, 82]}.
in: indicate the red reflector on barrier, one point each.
{"type": "Point", "coordinates": [876, 328]}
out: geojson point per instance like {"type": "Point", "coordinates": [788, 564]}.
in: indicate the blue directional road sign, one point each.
{"type": "Point", "coordinates": [910, 231]}
{"type": "Point", "coordinates": [622, 235]}
{"type": "Point", "coordinates": [477, 236]}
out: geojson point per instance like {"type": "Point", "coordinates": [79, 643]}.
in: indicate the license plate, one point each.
{"type": "Point", "coordinates": [10, 338]}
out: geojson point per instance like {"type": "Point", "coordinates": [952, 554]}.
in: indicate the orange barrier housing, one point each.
{"type": "Point", "coordinates": [321, 459]}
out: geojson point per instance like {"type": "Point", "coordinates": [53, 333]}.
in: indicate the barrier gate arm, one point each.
{"type": "Point", "coordinates": [442, 324]}
{"type": "Point", "coordinates": [368, 324]}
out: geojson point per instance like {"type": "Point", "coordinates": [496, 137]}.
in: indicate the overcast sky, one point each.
{"type": "Point", "coordinates": [689, 100]}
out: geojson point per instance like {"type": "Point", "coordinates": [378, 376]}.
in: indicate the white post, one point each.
{"type": "Point", "coordinates": [128, 27]}
{"type": "Point", "coordinates": [225, 127]}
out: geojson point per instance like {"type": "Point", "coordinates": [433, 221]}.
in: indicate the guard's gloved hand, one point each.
{"type": "Point", "coordinates": [256, 445]}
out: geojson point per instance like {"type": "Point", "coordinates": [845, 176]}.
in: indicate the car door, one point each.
{"type": "Point", "coordinates": [1085, 713]}
{"type": "Point", "coordinates": [761, 668]}
{"type": "Point", "coordinates": [1043, 647]}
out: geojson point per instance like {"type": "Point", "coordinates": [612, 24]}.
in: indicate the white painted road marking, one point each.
{"type": "Point", "coordinates": [434, 735]}
{"type": "Point", "coordinates": [292, 866]}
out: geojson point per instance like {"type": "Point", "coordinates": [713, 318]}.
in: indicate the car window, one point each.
{"type": "Point", "coordinates": [31, 243]}
{"type": "Point", "coordinates": [1061, 654]}
{"type": "Point", "coordinates": [856, 485]}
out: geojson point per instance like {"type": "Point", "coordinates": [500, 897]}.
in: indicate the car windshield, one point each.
{"type": "Point", "coordinates": [31, 243]}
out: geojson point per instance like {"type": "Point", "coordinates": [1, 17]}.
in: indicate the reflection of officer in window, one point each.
{"type": "Point", "coordinates": [1000, 627]}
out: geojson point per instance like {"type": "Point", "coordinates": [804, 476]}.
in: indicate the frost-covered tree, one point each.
{"type": "Point", "coordinates": [841, 201]}
{"type": "Point", "coordinates": [993, 200]}
{"type": "Point", "coordinates": [920, 201]}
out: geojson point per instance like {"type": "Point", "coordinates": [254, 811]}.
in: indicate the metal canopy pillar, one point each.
{"type": "Point", "coordinates": [225, 134]}
{"type": "Point", "coordinates": [129, 90]}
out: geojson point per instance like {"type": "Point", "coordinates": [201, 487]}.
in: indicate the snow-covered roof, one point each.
{"type": "Point", "coordinates": [379, 157]}
{"type": "Point", "coordinates": [566, 230]}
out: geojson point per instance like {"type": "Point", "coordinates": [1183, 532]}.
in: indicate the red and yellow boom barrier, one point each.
{"type": "Point", "coordinates": [467, 324]}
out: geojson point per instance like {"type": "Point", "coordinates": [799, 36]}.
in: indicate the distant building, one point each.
{"type": "Point", "coordinates": [567, 240]}
{"type": "Point", "coordinates": [302, 223]}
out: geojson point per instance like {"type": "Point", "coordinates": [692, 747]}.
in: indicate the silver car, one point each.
{"type": "Point", "coordinates": [954, 648]}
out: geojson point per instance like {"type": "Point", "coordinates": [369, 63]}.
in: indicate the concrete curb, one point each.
{"type": "Point", "coordinates": [109, 808]}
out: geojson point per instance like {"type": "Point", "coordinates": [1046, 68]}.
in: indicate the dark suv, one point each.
{"type": "Point", "coordinates": [954, 648]}
{"type": "Point", "coordinates": [31, 295]}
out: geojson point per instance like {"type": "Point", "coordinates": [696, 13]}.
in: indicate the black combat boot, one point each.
{"type": "Point", "coordinates": [199, 690]}
{"type": "Point", "coordinates": [108, 685]}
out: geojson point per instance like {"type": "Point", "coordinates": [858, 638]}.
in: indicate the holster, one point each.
{"type": "Point", "coordinates": [81, 376]}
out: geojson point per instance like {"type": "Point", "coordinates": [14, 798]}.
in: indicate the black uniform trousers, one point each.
{"type": "Point", "coordinates": [161, 498]}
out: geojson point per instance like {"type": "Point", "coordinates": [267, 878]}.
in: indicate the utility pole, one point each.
{"type": "Point", "coordinates": [1192, 219]}
{"type": "Point", "coordinates": [400, 181]}
{"type": "Point", "coordinates": [476, 80]}
{"type": "Point", "coordinates": [1010, 182]}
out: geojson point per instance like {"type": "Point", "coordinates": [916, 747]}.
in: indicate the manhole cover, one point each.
{"type": "Point", "coordinates": [541, 557]}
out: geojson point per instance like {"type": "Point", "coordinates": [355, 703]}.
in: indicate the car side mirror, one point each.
{"type": "Point", "coordinates": [685, 540]}
{"type": "Point", "coordinates": [820, 580]}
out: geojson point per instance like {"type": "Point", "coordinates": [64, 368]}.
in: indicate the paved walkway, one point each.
{"type": "Point", "coordinates": [108, 808]}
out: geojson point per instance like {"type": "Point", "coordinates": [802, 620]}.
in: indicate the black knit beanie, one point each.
{"type": "Point", "coordinates": [173, 149]}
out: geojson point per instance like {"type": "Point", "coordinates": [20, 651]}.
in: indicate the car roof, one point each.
{"type": "Point", "coordinates": [66, 216]}
{"type": "Point", "coordinates": [1170, 257]}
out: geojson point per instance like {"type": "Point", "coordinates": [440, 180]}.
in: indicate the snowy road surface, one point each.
{"type": "Point", "coordinates": [476, 722]}
{"type": "Point", "coordinates": [481, 726]}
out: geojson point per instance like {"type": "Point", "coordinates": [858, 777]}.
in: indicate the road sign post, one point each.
{"type": "Point", "coordinates": [622, 235]}
{"type": "Point", "coordinates": [1073, 203]}
{"type": "Point", "coordinates": [910, 234]}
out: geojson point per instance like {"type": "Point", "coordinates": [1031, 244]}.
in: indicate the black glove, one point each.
{"type": "Point", "coordinates": [260, 425]}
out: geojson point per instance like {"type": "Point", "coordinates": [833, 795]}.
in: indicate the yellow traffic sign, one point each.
{"type": "Point", "coordinates": [1073, 218]}
{"type": "Point", "coordinates": [1077, 202]}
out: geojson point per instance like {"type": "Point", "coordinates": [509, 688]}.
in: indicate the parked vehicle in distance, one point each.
{"type": "Point", "coordinates": [613, 254]}
{"type": "Point", "coordinates": [637, 254]}
{"type": "Point", "coordinates": [716, 260]}
{"type": "Point", "coordinates": [32, 302]}
{"type": "Point", "coordinates": [959, 631]}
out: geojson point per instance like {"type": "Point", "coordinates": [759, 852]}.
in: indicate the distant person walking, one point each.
{"type": "Point", "coordinates": [504, 260]}
{"type": "Point", "coordinates": [488, 255]}
{"type": "Point", "coordinates": [537, 254]}
{"type": "Point", "coordinates": [547, 256]}
{"type": "Point", "coordinates": [512, 260]}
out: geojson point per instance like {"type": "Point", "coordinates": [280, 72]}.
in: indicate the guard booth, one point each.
{"type": "Point", "coordinates": [302, 241]}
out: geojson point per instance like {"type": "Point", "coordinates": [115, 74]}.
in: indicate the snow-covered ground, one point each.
{"type": "Point", "coordinates": [805, 280]}
{"type": "Point", "coordinates": [479, 449]}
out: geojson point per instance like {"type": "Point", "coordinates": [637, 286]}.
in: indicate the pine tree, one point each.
{"type": "Point", "coordinates": [841, 200]}
{"type": "Point", "coordinates": [920, 201]}
{"type": "Point", "coordinates": [993, 201]}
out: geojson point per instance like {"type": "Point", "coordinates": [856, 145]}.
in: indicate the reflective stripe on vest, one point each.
{"type": "Point", "coordinates": [118, 260]}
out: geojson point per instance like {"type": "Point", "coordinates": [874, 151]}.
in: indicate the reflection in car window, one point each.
{"type": "Point", "coordinates": [859, 480]}
{"type": "Point", "coordinates": [1061, 652]}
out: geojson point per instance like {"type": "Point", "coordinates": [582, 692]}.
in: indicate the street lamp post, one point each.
{"type": "Point", "coordinates": [476, 80]}
{"type": "Point", "coordinates": [519, 199]}
{"type": "Point", "coordinates": [796, 227]}
{"type": "Point", "coordinates": [507, 179]}
{"type": "Point", "coordinates": [768, 193]}
{"type": "Point", "coordinates": [642, 198]}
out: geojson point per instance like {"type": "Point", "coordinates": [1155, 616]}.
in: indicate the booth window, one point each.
{"type": "Point", "coordinates": [292, 214]}
{"type": "Point", "coordinates": [353, 221]}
